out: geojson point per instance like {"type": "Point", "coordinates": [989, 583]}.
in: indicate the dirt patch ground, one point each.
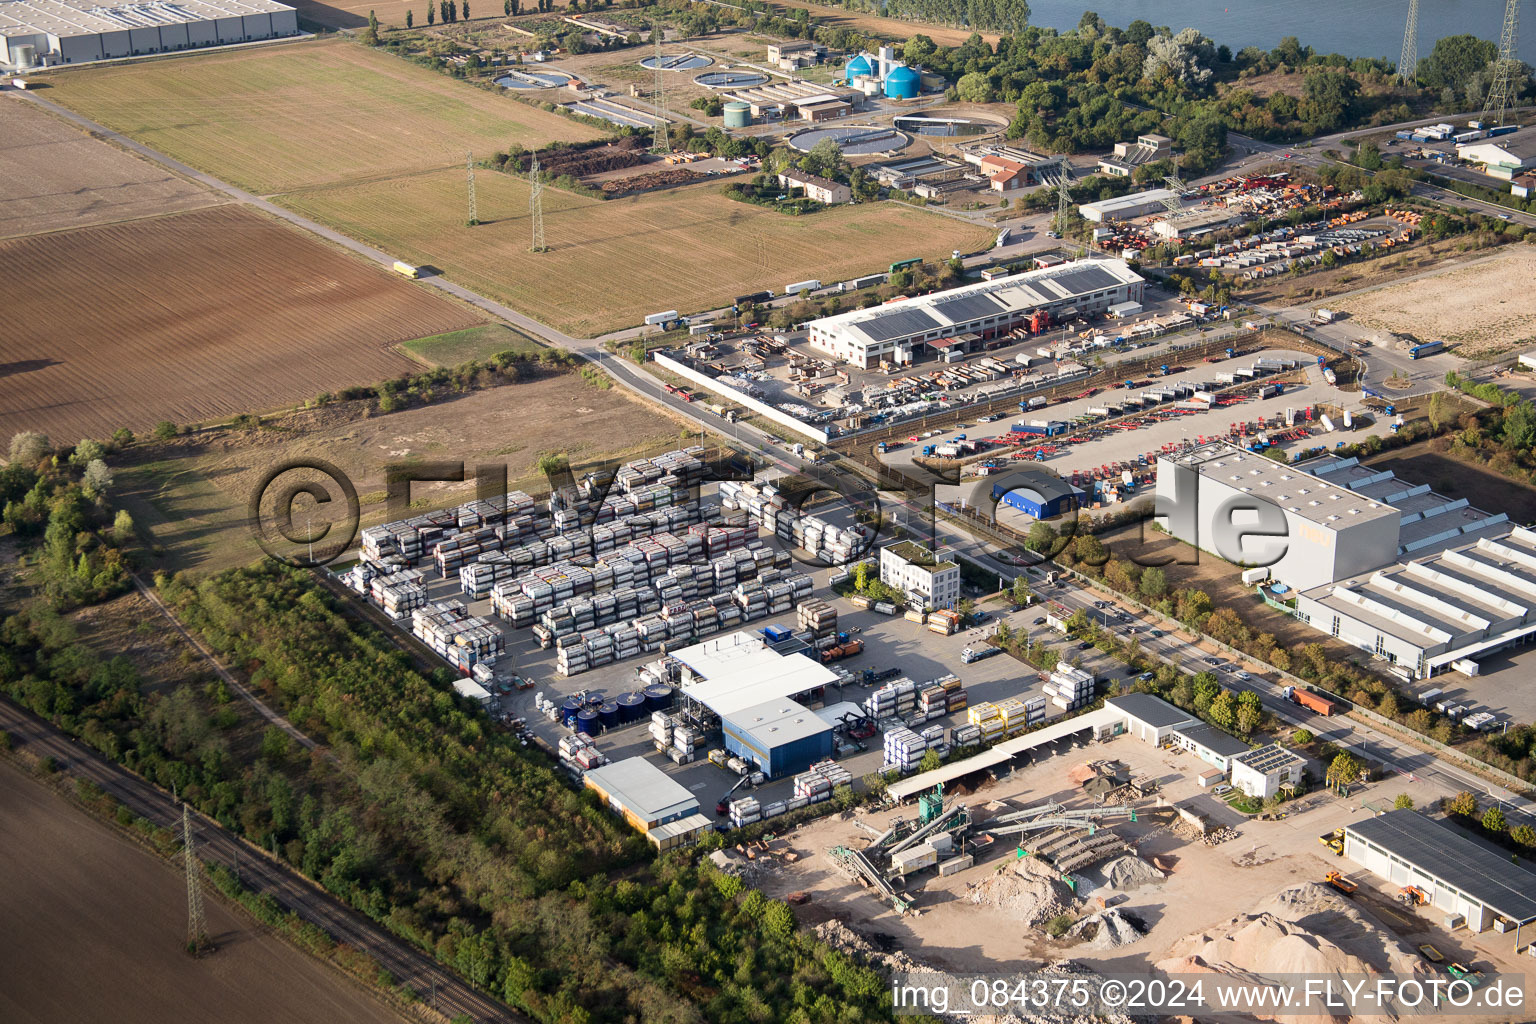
{"type": "Point", "coordinates": [193, 497]}
{"type": "Point", "coordinates": [94, 927]}
{"type": "Point", "coordinates": [612, 263]}
{"type": "Point", "coordinates": [1418, 257]}
{"type": "Point", "coordinates": [892, 29]}
{"type": "Point", "coordinates": [195, 317]}
{"type": "Point", "coordinates": [1483, 308]}
{"type": "Point", "coordinates": [279, 118]}
{"type": "Point", "coordinates": [55, 176]}
{"type": "Point", "coordinates": [132, 627]}
{"type": "Point", "coordinates": [1427, 463]}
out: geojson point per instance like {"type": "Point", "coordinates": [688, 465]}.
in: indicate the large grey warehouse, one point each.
{"type": "Point", "coordinates": [864, 337]}
{"type": "Point", "coordinates": [50, 32]}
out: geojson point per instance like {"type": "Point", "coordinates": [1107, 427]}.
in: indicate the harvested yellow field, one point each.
{"type": "Point", "coordinates": [278, 118]}
{"type": "Point", "coordinates": [613, 262]}
{"type": "Point", "coordinates": [1483, 308]}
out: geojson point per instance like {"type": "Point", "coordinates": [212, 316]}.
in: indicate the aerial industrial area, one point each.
{"type": "Point", "coordinates": [794, 512]}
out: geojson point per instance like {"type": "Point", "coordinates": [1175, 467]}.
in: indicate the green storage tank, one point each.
{"type": "Point", "coordinates": [738, 114]}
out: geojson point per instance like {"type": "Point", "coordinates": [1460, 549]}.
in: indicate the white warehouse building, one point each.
{"type": "Point", "coordinates": [1321, 532]}
{"type": "Point", "coordinates": [51, 32]}
{"type": "Point", "coordinates": [864, 337]}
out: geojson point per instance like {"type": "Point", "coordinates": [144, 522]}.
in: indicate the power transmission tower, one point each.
{"type": "Point", "coordinates": [1506, 71]}
{"type": "Point", "coordinates": [469, 168]}
{"type": "Point", "coordinates": [1408, 63]}
{"type": "Point", "coordinates": [536, 206]}
{"type": "Point", "coordinates": [663, 141]}
{"type": "Point", "coordinates": [1063, 204]}
{"type": "Point", "coordinates": [197, 924]}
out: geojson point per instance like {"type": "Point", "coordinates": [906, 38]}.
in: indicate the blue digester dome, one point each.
{"type": "Point", "coordinates": [859, 67]}
{"type": "Point", "coordinates": [902, 83]}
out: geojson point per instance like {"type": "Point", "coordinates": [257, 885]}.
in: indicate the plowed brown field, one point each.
{"type": "Point", "coordinates": [191, 318]}
{"type": "Point", "coordinates": [54, 176]}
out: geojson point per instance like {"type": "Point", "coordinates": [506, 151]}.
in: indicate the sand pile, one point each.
{"type": "Point", "coordinates": [1109, 929]}
{"type": "Point", "coordinates": [844, 939]}
{"type": "Point", "coordinates": [1031, 891]}
{"type": "Point", "coordinates": [1129, 872]}
{"type": "Point", "coordinates": [1305, 929]}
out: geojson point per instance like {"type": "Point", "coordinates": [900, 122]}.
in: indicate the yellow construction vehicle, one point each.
{"type": "Point", "coordinates": [1341, 883]}
{"type": "Point", "coordinates": [1334, 841]}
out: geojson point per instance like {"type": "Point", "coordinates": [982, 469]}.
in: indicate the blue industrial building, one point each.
{"type": "Point", "coordinates": [781, 737]}
{"type": "Point", "coordinates": [1035, 491]}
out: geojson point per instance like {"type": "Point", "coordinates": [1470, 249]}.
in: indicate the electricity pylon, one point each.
{"type": "Point", "coordinates": [197, 924]}
{"type": "Point", "coordinates": [1408, 63]}
{"type": "Point", "coordinates": [536, 206]}
{"type": "Point", "coordinates": [1506, 70]}
{"type": "Point", "coordinates": [663, 140]}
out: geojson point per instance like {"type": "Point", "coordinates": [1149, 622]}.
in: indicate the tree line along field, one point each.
{"type": "Point", "coordinates": [613, 262]}
{"type": "Point", "coordinates": [279, 118]}
{"type": "Point", "coordinates": [55, 176]}
{"type": "Point", "coordinates": [194, 317]}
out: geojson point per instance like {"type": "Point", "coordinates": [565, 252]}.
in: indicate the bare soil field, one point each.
{"type": "Point", "coordinates": [192, 495]}
{"type": "Point", "coordinates": [613, 262]}
{"type": "Point", "coordinates": [1396, 266]}
{"type": "Point", "coordinates": [280, 118]}
{"type": "Point", "coordinates": [1483, 308]}
{"type": "Point", "coordinates": [55, 176]}
{"type": "Point", "coordinates": [893, 29]}
{"type": "Point", "coordinates": [94, 927]}
{"type": "Point", "coordinates": [195, 317]}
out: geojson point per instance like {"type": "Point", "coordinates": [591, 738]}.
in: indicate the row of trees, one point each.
{"type": "Point", "coordinates": [446, 831]}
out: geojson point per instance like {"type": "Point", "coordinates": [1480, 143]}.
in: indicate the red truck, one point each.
{"type": "Point", "coordinates": [1313, 701]}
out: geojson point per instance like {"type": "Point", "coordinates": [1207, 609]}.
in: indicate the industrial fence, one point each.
{"type": "Point", "coordinates": [726, 391]}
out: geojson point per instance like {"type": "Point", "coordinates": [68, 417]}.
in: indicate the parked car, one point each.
{"type": "Point", "coordinates": [1244, 676]}
{"type": "Point", "coordinates": [1085, 645]}
{"type": "Point", "coordinates": [1040, 621]}
{"type": "Point", "coordinates": [1223, 788]}
{"type": "Point", "coordinates": [1154, 634]}
{"type": "Point", "coordinates": [1212, 660]}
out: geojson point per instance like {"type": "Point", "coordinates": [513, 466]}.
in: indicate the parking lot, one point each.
{"type": "Point", "coordinates": [1502, 686]}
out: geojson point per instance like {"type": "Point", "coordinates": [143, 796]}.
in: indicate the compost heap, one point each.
{"type": "Point", "coordinates": [1304, 929]}
{"type": "Point", "coordinates": [1030, 890]}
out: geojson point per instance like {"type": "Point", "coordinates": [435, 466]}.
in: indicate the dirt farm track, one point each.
{"type": "Point", "coordinates": [93, 926]}
{"type": "Point", "coordinates": [193, 318]}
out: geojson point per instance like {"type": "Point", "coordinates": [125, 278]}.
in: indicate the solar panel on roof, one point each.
{"type": "Point", "coordinates": [1086, 279]}
{"type": "Point", "coordinates": [968, 307]}
{"type": "Point", "coordinates": [1477, 870]}
{"type": "Point", "coordinates": [897, 324]}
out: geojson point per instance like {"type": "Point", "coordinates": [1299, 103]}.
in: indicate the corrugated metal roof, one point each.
{"type": "Point", "coordinates": [1476, 869]}
{"type": "Point", "coordinates": [63, 18]}
{"type": "Point", "coordinates": [642, 788]}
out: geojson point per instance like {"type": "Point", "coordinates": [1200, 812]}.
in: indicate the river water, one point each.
{"type": "Point", "coordinates": [1358, 28]}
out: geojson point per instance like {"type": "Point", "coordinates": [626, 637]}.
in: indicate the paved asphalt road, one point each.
{"type": "Point", "coordinates": [260, 873]}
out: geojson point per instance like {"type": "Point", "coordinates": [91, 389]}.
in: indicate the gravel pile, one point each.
{"type": "Point", "coordinates": [1031, 892]}
{"type": "Point", "coordinates": [1129, 872]}
{"type": "Point", "coordinates": [1109, 929]}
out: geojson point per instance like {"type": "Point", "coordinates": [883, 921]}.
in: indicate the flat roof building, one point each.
{"type": "Point", "coordinates": [1264, 771]}
{"type": "Point", "coordinates": [732, 673]}
{"type": "Point", "coordinates": [779, 737]}
{"type": "Point", "coordinates": [913, 570]}
{"type": "Point", "coordinates": [1502, 157]}
{"type": "Point", "coordinates": [1251, 510]}
{"type": "Point", "coordinates": [52, 32]}
{"type": "Point", "coordinates": [1209, 744]}
{"type": "Point", "coordinates": [1434, 612]}
{"type": "Point", "coordinates": [1137, 204]}
{"type": "Point", "coordinates": [651, 801]}
{"type": "Point", "coordinates": [864, 337]}
{"type": "Point", "coordinates": [1459, 874]}
{"type": "Point", "coordinates": [1148, 718]}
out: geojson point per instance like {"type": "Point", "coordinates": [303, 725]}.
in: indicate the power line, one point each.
{"type": "Point", "coordinates": [469, 168]}
{"type": "Point", "coordinates": [1506, 71]}
{"type": "Point", "coordinates": [197, 924]}
{"type": "Point", "coordinates": [1408, 63]}
{"type": "Point", "coordinates": [536, 206]}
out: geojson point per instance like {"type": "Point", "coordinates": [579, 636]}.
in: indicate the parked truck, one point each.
{"type": "Point", "coordinates": [971, 654]}
{"type": "Point", "coordinates": [656, 319]}
{"type": "Point", "coordinates": [1324, 316]}
{"type": "Point", "coordinates": [1312, 701]}
{"type": "Point", "coordinates": [405, 269]}
{"type": "Point", "coordinates": [1428, 348]}
{"type": "Point", "coordinates": [802, 286]}
{"type": "Point", "coordinates": [847, 649]}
